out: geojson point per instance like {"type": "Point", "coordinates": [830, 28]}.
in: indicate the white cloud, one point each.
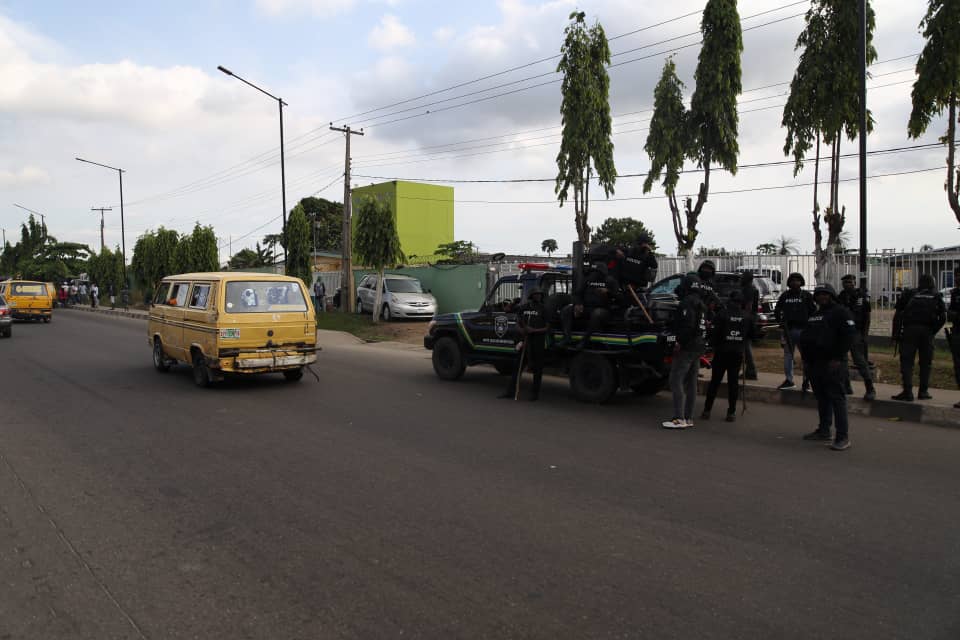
{"type": "Point", "coordinates": [319, 8]}
{"type": "Point", "coordinates": [26, 176]}
{"type": "Point", "coordinates": [444, 34]}
{"type": "Point", "coordinates": [390, 33]}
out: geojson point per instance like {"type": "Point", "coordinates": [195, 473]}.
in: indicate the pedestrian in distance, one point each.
{"type": "Point", "coordinates": [532, 322]}
{"type": "Point", "coordinates": [751, 303]}
{"type": "Point", "coordinates": [112, 292]}
{"type": "Point", "coordinates": [94, 295]}
{"type": "Point", "coordinates": [731, 331]}
{"type": "Point", "coordinates": [858, 303]}
{"type": "Point", "coordinates": [920, 314]}
{"type": "Point", "coordinates": [824, 342]}
{"type": "Point", "coordinates": [794, 308]}
{"type": "Point", "coordinates": [319, 295]}
{"type": "Point", "coordinates": [689, 327]}
{"type": "Point", "coordinates": [74, 293]}
{"type": "Point", "coordinates": [83, 293]}
{"type": "Point", "coordinates": [953, 315]}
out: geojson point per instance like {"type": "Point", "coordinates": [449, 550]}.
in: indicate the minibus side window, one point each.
{"type": "Point", "coordinates": [162, 291]}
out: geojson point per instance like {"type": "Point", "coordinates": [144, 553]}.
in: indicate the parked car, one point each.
{"type": "Point", "coordinates": [724, 282]}
{"type": "Point", "coordinates": [6, 319]}
{"type": "Point", "coordinates": [403, 297]}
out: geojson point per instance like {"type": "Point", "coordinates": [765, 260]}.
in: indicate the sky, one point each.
{"type": "Point", "coordinates": [135, 85]}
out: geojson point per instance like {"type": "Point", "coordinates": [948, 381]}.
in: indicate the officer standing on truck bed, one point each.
{"type": "Point", "coordinates": [857, 302]}
{"type": "Point", "coordinates": [636, 265]}
{"type": "Point", "coordinates": [592, 299]}
{"type": "Point", "coordinates": [824, 342]}
{"type": "Point", "coordinates": [532, 320]}
{"type": "Point", "coordinates": [953, 315]}
{"type": "Point", "coordinates": [919, 316]}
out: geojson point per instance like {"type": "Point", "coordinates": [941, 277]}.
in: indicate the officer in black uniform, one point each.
{"type": "Point", "coordinates": [794, 307]}
{"type": "Point", "coordinates": [824, 342]}
{"type": "Point", "coordinates": [636, 265]}
{"type": "Point", "coordinates": [592, 300]}
{"type": "Point", "coordinates": [751, 302]}
{"type": "Point", "coordinates": [532, 320]}
{"type": "Point", "coordinates": [857, 302]}
{"type": "Point", "coordinates": [707, 271]}
{"type": "Point", "coordinates": [918, 317]}
{"type": "Point", "coordinates": [953, 315]}
{"type": "Point", "coordinates": [732, 330]}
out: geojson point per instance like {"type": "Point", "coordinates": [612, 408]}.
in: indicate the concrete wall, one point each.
{"type": "Point", "coordinates": [456, 287]}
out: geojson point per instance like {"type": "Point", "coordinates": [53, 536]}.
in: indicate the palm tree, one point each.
{"type": "Point", "coordinates": [785, 246]}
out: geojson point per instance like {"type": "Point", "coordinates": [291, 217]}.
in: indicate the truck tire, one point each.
{"type": "Point", "coordinates": [448, 360]}
{"type": "Point", "coordinates": [201, 372]}
{"type": "Point", "coordinates": [593, 378]}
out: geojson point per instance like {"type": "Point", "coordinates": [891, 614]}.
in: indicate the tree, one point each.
{"type": "Point", "coordinates": [154, 258]}
{"type": "Point", "coordinates": [621, 232]}
{"type": "Point", "coordinates": [707, 133]}
{"type": "Point", "coordinates": [767, 249]}
{"type": "Point", "coordinates": [926, 247]}
{"type": "Point", "coordinates": [938, 85]}
{"type": "Point", "coordinates": [326, 220]}
{"type": "Point", "coordinates": [549, 246]}
{"type": "Point", "coordinates": [272, 240]}
{"type": "Point", "coordinates": [784, 246]}
{"type": "Point", "coordinates": [375, 241]}
{"type": "Point", "coordinates": [106, 269]}
{"type": "Point", "coordinates": [458, 252]}
{"type": "Point", "coordinates": [824, 104]}
{"type": "Point", "coordinates": [203, 249]}
{"type": "Point", "coordinates": [251, 258]}
{"type": "Point", "coordinates": [298, 244]}
{"type": "Point", "coordinates": [586, 145]}
{"type": "Point", "coordinates": [39, 256]}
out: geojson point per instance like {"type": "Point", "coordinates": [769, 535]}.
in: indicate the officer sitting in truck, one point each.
{"type": "Point", "coordinates": [636, 266]}
{"type": "Point", "coordinates": [591, 300]}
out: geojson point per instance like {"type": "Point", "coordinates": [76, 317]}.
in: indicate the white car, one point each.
{"type": "Point", "coordinates": [403, 297]}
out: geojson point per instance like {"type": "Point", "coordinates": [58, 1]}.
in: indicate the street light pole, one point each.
{"type": "Point", "coordinates": [123, 230]}
{"type": "Point", "coordinates": [43, 218]}
{"type": "Point", "coordinates": [862, 53]}
{"type": "Point", "coordinates": [283, 174]}
{"type": "Point", "coordinates": [101, 210]}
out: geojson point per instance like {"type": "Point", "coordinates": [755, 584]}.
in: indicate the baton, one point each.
{"type": "Point", "coordinates": [523, 352]}
{"type": "Point", "coordinates": [637, 300]}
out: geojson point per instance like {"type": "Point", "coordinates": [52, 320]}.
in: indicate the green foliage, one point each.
{"type": "Point", "coordinates": [327, 217]}
{"type": "Point", "coordinates": [767, 249]}
{"type": "Point", "coordinates": [39, 256]}
{"type": "Point", "coordinates": [106, 269]}
{"type": "Point", "coordinates": [457, 252]}
{"type": "Point", "coordinates": [155, 257]}
{"type": "Point", "coordinates": [549, 246]}
{"type": "Point", "coordinates": [298, 245]}
{"type": "Point", "coordinates": [251, 258]}
{"type": "Point", "coordinates": [668, 139]}
{"type": "Point", "coordinates": [713, 117]}
{"type": "Point", "coordinates": [585, 110]}
{"type": "Point", "coordinates": [376, 243]}
{"type": "Point", "coordinates": [938, 84]}
{"type": "Point", "coordinates": [622, 232]}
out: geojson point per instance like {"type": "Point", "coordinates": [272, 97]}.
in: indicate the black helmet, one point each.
{"type": "Point", "coordinates": [849, 276]}
{"type": "Point", "coordinates": [643, 238]}
{"type": "Point", "coordinates": [706, 265]}
{"type": "Point", "coordinates": [926, 281]}
{"type": "Point", "coordinates": [827, 288]}
{"type": "Point", "coordinates": [796, 276]}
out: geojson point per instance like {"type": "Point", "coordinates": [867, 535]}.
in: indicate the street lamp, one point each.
{"type": "Point", "coordinates": [43, 218]}
{"type": "Point", "coordinates": [283, 178]}
{"type": "Point", "coordinates": [123, 231]}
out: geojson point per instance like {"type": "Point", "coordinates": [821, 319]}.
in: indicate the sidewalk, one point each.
{"type": "Point", "coordinates": [118, 312]}
{"type": "Point", "coordinates": [939, 411]}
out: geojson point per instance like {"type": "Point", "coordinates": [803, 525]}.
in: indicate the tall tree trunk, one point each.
{"type": "Point", "coordinates": [953, 175]}
{"type": "Point", "coordinates": [378, 299]}
{"type": "Point", "coordinates": [817, 231]}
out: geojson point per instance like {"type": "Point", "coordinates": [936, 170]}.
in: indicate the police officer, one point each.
{"type": "Point", "coordinates": [592, 300]}
{"type": "Point", "coordinates": [636, 266]}
{"type": "Point", "coordinates": [689, 328]}
{"type": "Point", "coordinates": [857, 302]}
{"type": "Point", "coordinates": [751, 302]}
{"type": "Point", "coordinates": [953, 315]}
{"type": "Point", "coordinates": [794, 307]}
{"type": "Point", "coordinates": [824, 342]}
{"type": "Point", "coordinates": [731, 331]}
{"type": "Point", "coordinates": [532, 320]}
{"type": "Point", "coordinates": [706, 273]}
{"type": "Point", "coordinates": [919, 316]}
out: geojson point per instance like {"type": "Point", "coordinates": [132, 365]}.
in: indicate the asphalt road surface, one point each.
{"type": "Point", "coordinates": [384, 503]}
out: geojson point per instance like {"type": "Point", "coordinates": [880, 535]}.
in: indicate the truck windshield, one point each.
{"type": "Point", "coordinates": [402, 285]}
{"type": "Point", "coordinates": [264, 296]}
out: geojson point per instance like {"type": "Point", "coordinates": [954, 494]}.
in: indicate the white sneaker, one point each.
{"type": "Point", "coordinates": [688, 423]}
{"type": "Point", "coordinates": [676, 423]}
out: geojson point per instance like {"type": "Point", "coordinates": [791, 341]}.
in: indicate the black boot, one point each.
{"type": "Point", "coordinates": [923, 394]}
{"type": "Point", "coordinates": [871, 393]}
{"type": "Point", "coordinates": [906, 395]}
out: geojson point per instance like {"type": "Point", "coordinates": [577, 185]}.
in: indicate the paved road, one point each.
{"type": "Point", "coordinates": [383, 503]}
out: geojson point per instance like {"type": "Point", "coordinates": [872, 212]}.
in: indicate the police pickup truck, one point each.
{"type": "Point", "coordinates": [631, 352]}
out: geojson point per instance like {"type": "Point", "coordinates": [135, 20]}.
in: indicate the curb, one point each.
{"type": "Point", "coordinates": [930, 414]}
{"type": "Point", "coordinates": [120, 313]}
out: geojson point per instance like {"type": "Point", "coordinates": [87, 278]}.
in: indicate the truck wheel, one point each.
{"type": "Point", "coordinates": [593, 378]}
{"type": "Point", "coordinates": [159, 359]}
{"type": "Point", "coordinates": [504, 368]}
{"type": "Point", "coordinates": [293, 375]}
{"type": "Point", "coordinates": [448, 359]}
{"type": "Point", "coordinates": [201, 372]}
{"type": "Point", "coordinates": [47, 319]}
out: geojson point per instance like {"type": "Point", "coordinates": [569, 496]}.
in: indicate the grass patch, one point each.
{"type": "Point", "coordinates": [360, 326]}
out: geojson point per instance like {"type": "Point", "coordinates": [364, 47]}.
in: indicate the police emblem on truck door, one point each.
{"type": "Point", "coordinates": [501, 325]}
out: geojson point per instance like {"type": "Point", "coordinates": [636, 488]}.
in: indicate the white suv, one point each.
{"type": "Point", "coordinates": [403, 297]}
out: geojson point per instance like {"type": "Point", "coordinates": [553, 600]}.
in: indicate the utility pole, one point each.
{"type": "Point", "coordinates": [862, 54]}
{"type": "Point", "coordinates": [43, 219]}
{"type": "Point", "coordinates": [101, 210]}
{"type": "Point", "coordinates": [346, 284]}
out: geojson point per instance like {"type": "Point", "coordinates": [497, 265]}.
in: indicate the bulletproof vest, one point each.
{"type": "Point", "coordinates": [705, 288]}
{"type": "Point", "coordinates": [596, 291]}
{"type": "Point", "coordinates": [794, 307]}
{"type": "Point", "coordinates": [921, 309]}
{"type": "Point", "coordinates": [533, 315]}
{"type": "Point", "coordinates": [856, 302]}
{"type": "Point", "coordinates": [635, 268]}
{"type": "Point", "coordinates": [735, 333]}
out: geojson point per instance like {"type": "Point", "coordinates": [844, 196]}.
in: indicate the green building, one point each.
{"type": "Point", "coordinates": [424, 214]}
